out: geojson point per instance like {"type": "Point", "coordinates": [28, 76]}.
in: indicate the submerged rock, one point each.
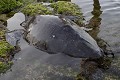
{"type": "Point", "coordinates": [14, 37]}
{"type": "Point", "coordinates": [59, 35]}
{"type": "Point", "coordinates": [15, 31]}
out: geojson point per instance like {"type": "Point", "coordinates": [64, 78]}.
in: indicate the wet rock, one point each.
{"type": "Point", "coordinates": [14, 37]}
{"type": "Point", "coordinates": [55, 34]}
{"type": "Point", "coordinates": [32, 63]}
{"type": "Point", "coordinates": [5, 51]}
{"type": "Point", "coordinates": [15, 31]}
{"type": "Point", "coordinates": [13, 23]}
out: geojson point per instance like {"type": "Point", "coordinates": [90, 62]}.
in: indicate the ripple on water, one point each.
{"type": "Point", "coordinates": [31, 62]}
{"type": "Point", "coordinates": [110, 25]}
{"type": "Point", "coordinates": [108, 30]}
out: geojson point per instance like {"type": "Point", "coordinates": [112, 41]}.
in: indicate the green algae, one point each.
{"type": "Point", "coordinates": [36, 8]}
{"type": "Point", "coordinates": [8, 5]}
{"type": "Point", "coordinates": [3, 17]}
{"type": "Point", "coordinates": [2, 34]}
{"type": "Point", "coordinates": [61, 7]}
{"type": "Point", "coordinates": [5, 49]}
{"type": "Point", "coordinates": [68, 9]}
{"type": "Point", "coordinates": [80, 77]}
{"type": "Point", "coordinates": [5, 66]}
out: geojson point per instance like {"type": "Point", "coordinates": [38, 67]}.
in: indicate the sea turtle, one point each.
{"type": "Point", "coordinates": [55, 34]}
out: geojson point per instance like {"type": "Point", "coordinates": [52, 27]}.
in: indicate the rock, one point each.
{"type": "Point", "coordinates": [54, 34]}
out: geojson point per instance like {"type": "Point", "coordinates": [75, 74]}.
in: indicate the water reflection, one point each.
{"type": "Point", "coordinates": [95, 23]}
{"type": "Point", "coordinates": [90, 69]}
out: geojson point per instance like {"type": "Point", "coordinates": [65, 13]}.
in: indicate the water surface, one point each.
{"type": "Point", "coordinates": [32, 64]}
{"type": "Point", "coordinates": [104, 17]}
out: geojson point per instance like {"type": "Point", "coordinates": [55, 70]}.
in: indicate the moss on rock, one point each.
{"type": "Point", "coordinates": [36, 8]}
{"type": "Point", "coordinates": [61, 7]}
{"type": "Point", "coordinates": [69, 9]}
{"type": "Point", "coordinates": [2, 32]}
{"type": "Point", "coordinates": [5, 66]}
{"type": "Point", "coordinates": [3, 17]}
{"type": "Point", "coordinates": [8, 5]}
{"type": "Point", "coordinates": [66, 8]}
{"type": "Point", "coordinates": [5, 49]}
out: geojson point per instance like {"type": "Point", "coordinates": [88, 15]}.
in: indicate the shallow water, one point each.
{"type": "Point", "coordinates": [104, 17]}
{"type": "Point", "coordinates": [33, 64]}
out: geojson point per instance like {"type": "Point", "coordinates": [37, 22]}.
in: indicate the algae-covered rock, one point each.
{"type": "Point", "coordinates": [68, 9]}
{"type": "Point", "coordinates": [5, 66]}
{"type": "Point", "coordinates": [36, 8]}
{"type": "Point", "coordinates": [2, 34]}
{"type": "Point", "coordinates": [5, 51]}
{"type": "Point", "coordinates": [8, 5]}
{"type": "Point", "coordinates": [64, 8]}
{"type": "Point", "coordinates": [5, 48]}
{"type": "Point", "coordinates": [3, 17]}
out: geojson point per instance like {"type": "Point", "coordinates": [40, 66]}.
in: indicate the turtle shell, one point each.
{"type": "Point", "coordinates": [54, 34]}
